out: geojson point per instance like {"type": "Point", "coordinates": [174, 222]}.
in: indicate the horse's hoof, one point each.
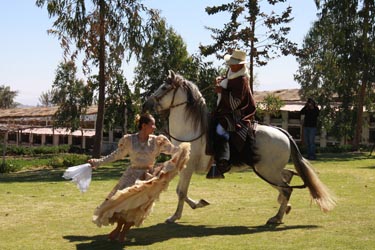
{"type": "Point", "coordinates": [288, 208]}
{"type": "Point", "coordinates": [203, 203]}
{"type": "Point", "coordinates": [274, 221]}
{"type": "Point", "coordinates": [171, 220]}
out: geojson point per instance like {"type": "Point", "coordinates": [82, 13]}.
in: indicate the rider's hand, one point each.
{"type": "Point", "coordinates": [218, 80]}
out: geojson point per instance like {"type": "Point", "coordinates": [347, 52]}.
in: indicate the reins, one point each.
{"type": "Point", "coordinates": [174, 138]}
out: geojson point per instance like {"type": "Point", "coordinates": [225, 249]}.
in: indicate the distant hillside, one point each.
{"type": "Point", "coordinates": [24, 106]}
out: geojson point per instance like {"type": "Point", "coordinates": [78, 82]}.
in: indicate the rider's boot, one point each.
{"type": "Point", "coordinates": [217, 170]}
{"type": "Point", "coordinates": [223, 166]}
{"type": "Point", "coordinates": [222, 153]}
{"type": "Point", "coordinates": [214, 173]}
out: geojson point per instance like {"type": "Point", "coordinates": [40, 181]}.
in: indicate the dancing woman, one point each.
{"type": "Point", "coordinates": [132, 199]}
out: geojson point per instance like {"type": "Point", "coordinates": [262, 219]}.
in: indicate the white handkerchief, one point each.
{"type": "Point", "coordinates": [81, 175]}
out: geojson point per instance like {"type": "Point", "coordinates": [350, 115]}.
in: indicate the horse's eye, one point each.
{"type": "Point", "coordinates": [169, 81]}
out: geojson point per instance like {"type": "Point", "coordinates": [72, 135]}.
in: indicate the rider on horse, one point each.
{"type": "Point", "coordinates": [233, 114]}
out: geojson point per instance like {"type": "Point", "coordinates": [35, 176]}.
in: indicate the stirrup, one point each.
{"type": "Point", "coordinates": [214, 173]}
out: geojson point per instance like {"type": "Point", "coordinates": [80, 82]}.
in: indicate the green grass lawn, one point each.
{"type": "Point", "coordinates": [40, 210]}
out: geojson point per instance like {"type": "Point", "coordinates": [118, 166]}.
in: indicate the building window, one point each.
{"type": "Point", "coordinates": [90, 142]}
{"type": "Point", "coordinates": [12, 137]}
{"type": "Point", "coordinates": [372, 119]}
{"type": "Point", "coordinates": [294, 115]}
{"type": "Point", "coordinates": [25, 138]}
{"type": "Point", "coordinates": [295, 132]}
{"type": "Point", "coordinates": [49, 139]}
{"type": "Point", "coordinates": [276, 119]}
{"type": "Point", "coordinates": [77, 140]}
{"type": "Point", "coordinates": [294, 118]}
{"type": "Point", "coordinates": [372, 135]}
{"type": "Point", "coordinates": [63, 139]}
{"type": "Point", "coordinates": [37, 139]}
{"type": "Point", "coordinates": [117, 134]}
{"type": "Point", "coordinates": [105, 136]}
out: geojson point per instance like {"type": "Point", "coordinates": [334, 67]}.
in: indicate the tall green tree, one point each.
{"type": "Point", "coordinates": [335, 65]}
{"type": "Point", "coordinates": [104, 31]}
{"type": "Point", "coordinates": [263, 35]}
{"type": "Point", "coordinates": [319, 76]}
{"type": "Point", "coordinates": [71, 95]}
{"type": "Point", "coordinates": [120, 105]}
{"type": "Point", "coordinates": [270, 105]}
{"type": "Point", "coordinates": [7, 97]}
{"type": "Point", "coordinates": [46, 98]}
{"type": "Point", "coordinates": [203, 73]}
{"type": "Point", "coordinates": [165, 51]}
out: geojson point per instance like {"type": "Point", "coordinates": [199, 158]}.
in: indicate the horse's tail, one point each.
{"type": "Point", "coordinates": [319, 192]}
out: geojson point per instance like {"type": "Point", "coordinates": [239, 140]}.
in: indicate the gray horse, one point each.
{"type": "Point", "coordinates": [187, 122]}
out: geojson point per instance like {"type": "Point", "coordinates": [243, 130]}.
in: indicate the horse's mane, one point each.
{"type": "Point", "coordinates": [196, 107]}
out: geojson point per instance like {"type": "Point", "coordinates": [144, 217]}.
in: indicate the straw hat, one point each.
{"type": "Point", "coordinates": [237, 57]}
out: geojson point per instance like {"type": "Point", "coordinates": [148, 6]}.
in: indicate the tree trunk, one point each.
{"type": "Point", "coordinates": [365, 63]}
{"type": "Point", "coordinates": [125, 120]}
{"type": "Point", "coordinates": [4, 150]}
{"type": "Point", "coordinates": [100, 113]}
{"type": "Point", "coordinates": [252, 48]}
{"type": "Point", "coordinates": [358, 129]}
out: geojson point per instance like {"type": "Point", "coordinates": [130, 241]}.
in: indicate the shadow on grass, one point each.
{"type": "Point", "coordinates": [369, 167]}
{"type": "Point", "coordinates": [163, 232]}
{"type": "Point", "coordinates": [55, 175]}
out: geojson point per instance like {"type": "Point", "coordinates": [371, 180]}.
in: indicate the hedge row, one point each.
{"type": "Point", "coordinates": [63, 160]}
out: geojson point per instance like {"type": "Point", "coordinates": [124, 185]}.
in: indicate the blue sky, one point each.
{"type": "Point", "coordinates": [29, 56]}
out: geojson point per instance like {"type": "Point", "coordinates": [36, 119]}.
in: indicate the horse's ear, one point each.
{"type": "Point", "coordinates": [171, 74]}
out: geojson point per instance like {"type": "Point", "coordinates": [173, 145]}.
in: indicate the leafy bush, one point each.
{"type": "Point", "coordinates": [335, 149]}
{"type": "Point", "coordinates": [8, 167]}
{"type": "Point", "coordinates": [40, 150]}
{"type": "Point", "coordinates": [76, 150]}
{"type": "Point", "coordinates": [18, 150]}
{"type": "Point", "coordinates": [45, 150]}
{"type": "Point", "coordinates": [57, 162]}
{"type": "Point", "coordinates": [14, 164]}
{"type": "Point", "coordinates": [68, 160]}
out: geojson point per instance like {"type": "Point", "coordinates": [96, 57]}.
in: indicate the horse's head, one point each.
{"type": "Point", "coordinates": [169, 95]}
{"type": "Point", "coordinates": [180, 99]}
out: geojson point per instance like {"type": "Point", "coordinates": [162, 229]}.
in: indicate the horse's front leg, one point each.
{"type": "Point", "coordinates": [193, 204]}
{"type": "Point", "coordinates": [178, 213]}
{"type": "Point", "coordinates": [180, 206]}
{"type": "Point", "coordinates": [182, 188]}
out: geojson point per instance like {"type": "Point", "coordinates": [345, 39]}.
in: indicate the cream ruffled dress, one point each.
{"type": "Point", "coordinates": [140, 185]}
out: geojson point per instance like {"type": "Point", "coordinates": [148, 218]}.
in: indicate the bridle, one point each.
{"type": "Point", "coordinates": [172, 105]}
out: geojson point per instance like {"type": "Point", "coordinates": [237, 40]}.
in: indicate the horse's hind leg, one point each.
{"type": "Point", "coordinates": [283, 198]}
